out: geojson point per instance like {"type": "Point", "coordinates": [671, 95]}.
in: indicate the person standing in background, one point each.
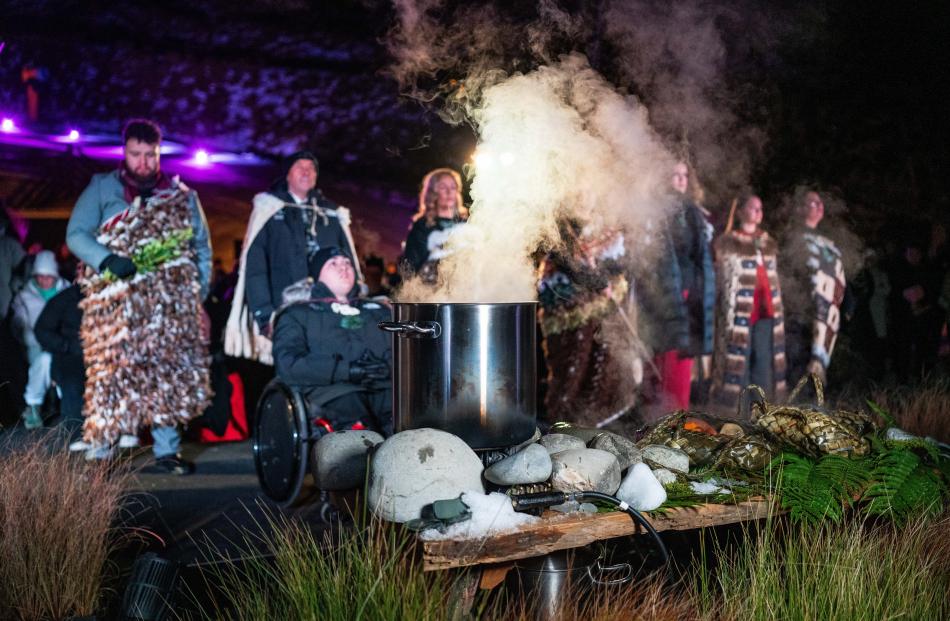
{"type": "Point", "coordinates": [750, 333]}
{"type": "Point", "coordinates": [440, 211]}
{"type": "Point", "coordinates": [110, 198]}
{"type": "Point", "coordinates": [814, 280]}
{"type": "Point", "coordinates": [688, 332]}
{"type": "Point", "coordinates": [27, 307]}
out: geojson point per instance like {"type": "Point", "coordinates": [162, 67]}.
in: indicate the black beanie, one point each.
{"type": "Point", "coordinates": [320, 258]}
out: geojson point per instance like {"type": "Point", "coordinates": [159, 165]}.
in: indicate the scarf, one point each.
{"type": "Point", "coordinates": [136, 187]}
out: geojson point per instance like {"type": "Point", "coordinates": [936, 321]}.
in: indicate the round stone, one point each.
{"type": "Point", "coordinates": [416, 467]}
{"type": "Point", "coordinates": [557, 442]}
{"type": "Point", "coordinates": [585, 470]}
{"type": "Point", "coordinates": [531, 464]}
{"type": "Point", "coordinates": [666, 457]}
{"type": "Point", "coordinates": [626, 451]}
{"type": "Point", "coordinates": [641, 489]}
{"type": "Point", "coordinates": [339, 458]}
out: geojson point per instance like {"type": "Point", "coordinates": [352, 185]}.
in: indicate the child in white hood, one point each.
{"type": "Point", "coordinates": [29, 302]}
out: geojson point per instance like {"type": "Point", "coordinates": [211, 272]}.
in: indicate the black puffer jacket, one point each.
{"type": "Point", "coordinates": [278, 255]}
{"type": "Point", "coordinates": [317, 339]}
{"type": "Point", "coordinates": [57, 330]}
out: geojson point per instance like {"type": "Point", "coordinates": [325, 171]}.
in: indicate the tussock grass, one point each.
{"type": "Point", "coordinates": [370, 574]}
{"type": "Point", "coordinates": [648, 600]}
{"type": "Point", "coordinates": [922, 410]}
{"type": "Point", "coordinates": [851, 571]}
{"type": "Point", "coordinates": [57, 516]}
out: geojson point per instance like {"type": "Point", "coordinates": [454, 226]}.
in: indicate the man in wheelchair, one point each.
{"type": "Point", "coordinates": [327, 346]}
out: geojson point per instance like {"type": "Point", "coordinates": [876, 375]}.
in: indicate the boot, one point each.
{"type": "Point", "coordinates": [31, 417]}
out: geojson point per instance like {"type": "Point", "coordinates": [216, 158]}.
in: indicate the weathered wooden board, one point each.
{"type": "Point", "coordinates": [561, 532]}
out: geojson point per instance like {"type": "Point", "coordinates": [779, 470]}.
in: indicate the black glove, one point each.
{"type": "Point", "coordinates": [368, 369]}
{"type": "Point", "coordinates": [122, 267]}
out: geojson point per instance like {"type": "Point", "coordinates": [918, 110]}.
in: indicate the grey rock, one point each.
{"type": "Point", "coordinates": [899, 435]}
{"type": "Point", "coordinates": [557, 442]}
{"type": "Point", "coordinates": [416, 467]}
{"type": "Point", "coordinates": [532, 464]}
{"type": "Point", "coordinates": [626, 451]}
{"type": "Point", "coordinates": [339, 458]}
{"type": "Point", "coordinates": [584, 470]}
{"type": "Point", "coordinates": [666, 457]}
{"type": "Point", "coordinates": [584, 433]}
{"type": "Point", "coordinates": [664, 476]}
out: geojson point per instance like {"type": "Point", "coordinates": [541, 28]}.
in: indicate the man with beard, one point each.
{"type": "Point", "coordinates": [109, 198]}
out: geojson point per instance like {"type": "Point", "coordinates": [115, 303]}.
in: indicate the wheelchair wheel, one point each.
{"type": "Point", "coordinates": [281, 443]}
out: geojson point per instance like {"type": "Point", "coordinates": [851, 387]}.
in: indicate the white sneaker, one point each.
{"type": "Point", "coordinates": [79, 445]}
{"type": "Point", "coordinates": [101, 451]}
{"type": "Point", "coordinates": [127, 440]}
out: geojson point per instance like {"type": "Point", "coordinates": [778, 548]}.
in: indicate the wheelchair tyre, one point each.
{"type": "Point", "coordinates": [281, 443]}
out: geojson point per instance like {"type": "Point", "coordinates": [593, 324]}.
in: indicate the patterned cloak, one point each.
{"type": "Point", "coordinates": [737, 256]}
{"type": "Point", "coordinates": [146, 361]}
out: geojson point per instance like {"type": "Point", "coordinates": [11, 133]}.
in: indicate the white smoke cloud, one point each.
{"type": "Point", "coordinates": [557, 142]}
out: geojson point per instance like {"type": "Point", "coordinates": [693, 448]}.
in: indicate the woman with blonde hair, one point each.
{"type": "Point", "coordinates": [440, 211]}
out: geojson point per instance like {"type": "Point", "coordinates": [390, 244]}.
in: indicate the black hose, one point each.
{"type": "Point", "coordinates": [633, 513]}
{"type": "Point", "coordinates": [524, 502]}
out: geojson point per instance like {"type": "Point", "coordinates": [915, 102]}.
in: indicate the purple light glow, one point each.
{"type": "Point", "coordinates": [202, 158]}
{"type": "Point", "coordinates": [7, 126]}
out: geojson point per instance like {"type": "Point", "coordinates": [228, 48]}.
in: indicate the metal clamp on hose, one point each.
{"type": "Point", "coordinates": [412, 329]}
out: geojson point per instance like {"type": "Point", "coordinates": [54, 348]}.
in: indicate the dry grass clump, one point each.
{"type": "Point", "coordinates": [846, 571]}
{"type": "Point", "coordinates": [56, 532]}
{"type": "Point", "coordinates": [371, 573]}
{"type": "Point", "coordinates": [648, 600]}
{"type": "Point", "coordinates": [922, 410]}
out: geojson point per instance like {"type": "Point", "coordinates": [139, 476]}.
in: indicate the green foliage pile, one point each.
{"type": "Point", "coordinates": [899, 480]}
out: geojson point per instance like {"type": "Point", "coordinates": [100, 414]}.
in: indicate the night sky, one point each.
{"type": "Point", "coordinates": [851, 97]}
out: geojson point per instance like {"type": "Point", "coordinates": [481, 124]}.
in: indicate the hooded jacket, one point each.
{"type": "Point", "coordinates": [316, 338]}
{"type": "Point", "coordinates": [57, 331]}
{"type": "Point", "coordinates": [27, 307]}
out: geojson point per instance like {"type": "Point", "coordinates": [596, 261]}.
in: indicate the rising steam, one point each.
{"type": "Point", "coordinates": [557, 142]}
{"type": "Point", "coordinates": [556, 138]}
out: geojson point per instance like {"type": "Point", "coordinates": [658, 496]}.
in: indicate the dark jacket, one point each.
{"type": "Point", "coordinates": [683, 262]}
{"type": "Point", "coordinates": [278, 255]}
{"type": "Point", "coordinates": [57, 330]}
{"type": "Point", "coordinates": [314, 345]}
{"type": "Point", "coordinates": [421, 243]}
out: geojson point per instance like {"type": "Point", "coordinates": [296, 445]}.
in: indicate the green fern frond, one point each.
{"type": "Point", "coordinates": [904, 486]}
{"type": "Point", "coordinates": [816, 490]}
{"type": "Point", "coordinates": [917, 444]}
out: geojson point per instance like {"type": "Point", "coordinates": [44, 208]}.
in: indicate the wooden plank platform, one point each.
{"type": "Point", "coordinates": [560, 532]}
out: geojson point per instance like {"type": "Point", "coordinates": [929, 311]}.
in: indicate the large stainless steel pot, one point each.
{"type": "Point", "coordinates": [469, 369]}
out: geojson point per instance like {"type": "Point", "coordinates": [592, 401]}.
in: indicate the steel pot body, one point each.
{"type": "Point", "coordinates": [550, 584]}
{"type": "Point", "coordinates": [468, 369]}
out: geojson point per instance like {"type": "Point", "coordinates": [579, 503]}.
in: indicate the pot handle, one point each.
{"type": "Point", "coordinates": [412, 329]}
{"type": "Point", "coordinates": [623, 570]}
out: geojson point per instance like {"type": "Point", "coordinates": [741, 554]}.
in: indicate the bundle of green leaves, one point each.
{"type": "Point", "coordinates": [152, 255]}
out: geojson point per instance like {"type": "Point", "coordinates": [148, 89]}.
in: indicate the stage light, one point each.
{"type": "Point", "coordinates": [202, 158]}
{"type": "Point", "coordinates": [7, 125]}
{"type": "Point", "coordinates": [73, 135]}
{"type": "Point", "coordinates": [482, 159]}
